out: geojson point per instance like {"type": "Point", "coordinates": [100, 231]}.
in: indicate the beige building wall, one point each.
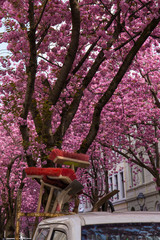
{"type": "Point", "coordinates": [141, 183]}
{"type": "Point", "coordinates": [136, 180]}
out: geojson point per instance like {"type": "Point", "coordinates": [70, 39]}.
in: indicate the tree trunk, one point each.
{"type": "Point", "coordinates": [10, 226]}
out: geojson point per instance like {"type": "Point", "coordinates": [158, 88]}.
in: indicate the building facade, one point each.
{"type": "Point", "coordinates": [137, 190]}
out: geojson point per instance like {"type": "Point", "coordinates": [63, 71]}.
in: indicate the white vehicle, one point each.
{"type": "Point", "coordinates": [101, 226]}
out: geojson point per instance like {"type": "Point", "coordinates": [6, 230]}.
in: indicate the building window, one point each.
{"type": "Point", "coordinates": [131, 174]}
{"type": "Point", "coordinates": [143, 177]}
{"type": "Point", "coordinates": [116, 184]}
{"type": "Point", "coordinates": [122, 185]}
{"type": "Point", "coordinates": [132, 209]}
{"type": "Point", "coordinates": [158, 206]}
{"type": "Point", "coordinates": [110, 184]}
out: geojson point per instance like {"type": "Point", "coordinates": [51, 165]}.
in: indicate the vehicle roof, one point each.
{"type": "Point", "coordinates": [104, 217]}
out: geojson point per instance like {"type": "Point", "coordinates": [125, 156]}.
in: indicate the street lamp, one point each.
{"type": "Point", "coordinates": [141, 200]}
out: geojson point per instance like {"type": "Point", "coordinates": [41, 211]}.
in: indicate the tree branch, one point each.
{"type": "Point", "coordinates": [94, 44]}
{"type": "Point", "coordinates": [41, 15]}
{"type": "Point", "coordinates": [114, 84]}
{"type": "Point", "coordinates": [36, 117]}
{"type": "Point", "coordinates": [43, 36]}
{"type": "Point", "coordinates": [32, 67]}
{"type": "Point", "coordinates": [71, 54]}
{"type": "Point", "coordinates": [49, 61]}
{"type": "Point", "coordinates": [70, 111]}
{"type": "Point", "coordinates": [147, 79]}
{"type": "Point", "coordinates": [129, 155]}
{"type": "Point", "coordinates": [129, 40]}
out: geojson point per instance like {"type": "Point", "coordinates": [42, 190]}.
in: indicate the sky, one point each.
{"type": "Point", "coordinates": [3, 46]}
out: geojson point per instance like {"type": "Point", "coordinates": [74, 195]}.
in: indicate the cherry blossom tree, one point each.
{"type": "Point", "coordinates": [11, 157]}
{"type": "Point", "coordinates": [67, 60]}
{"type": "Point", "coordinates": [134, 120]}
{"type": "Point", "coordinates": [61, 56]}
{"type": "Point", "coordinates": [13, 179]}
{"type": "Point", "coordinates": [129, 126]}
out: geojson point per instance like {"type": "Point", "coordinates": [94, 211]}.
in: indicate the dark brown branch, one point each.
{"type": "Point", "coordinates": [36, 117]}
{"type": "Point", "coordinates": [70, 111]}
{"type": "Point", "coordinates": [43, 36]}
{"type": "Point", "coordinates": [26, 143]}
{"type": "Point", "coordinates": [31, 70]}
{"type": "Point", "coordinates": [155, 37]}
{"type": "Point", "coordinates": [114, 84]}
{"type": "Point", "coordinates": [41, 15]}
{"type": "Point", "coordinates": [84, 57]}
{"type": "Point", "coordinates": [131, 156]}
{"type": "Point", "coordinates": [94, 44]}
{"type": "Point", "coordinates": [43, 122]}
{"type": "Point", "coordinates": [151, 158]}
{"type": "Point", "coordinates": [49, 61]}
{"type": "Point", "coordinates": [129, 40]}
{"type": "Point", "coordinates": [47, 124]}
{"type": "Point", "coordinates": [144, 5]}
{"type": "Point", "coordinates": [147, 79]}
{"type": "Point", "coordinates": [119, 25]}
{"type": "Point", "coordinates": [71, 54]}
{"type": "Point", "coordinates": [157, 102]}
{"type": "Point", "coordinates": [32, 67]}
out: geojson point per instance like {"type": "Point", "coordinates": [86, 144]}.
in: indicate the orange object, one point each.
{"type": "Point", "coordinates": [67, 175]}
{"type": "Point", "coordinates": [67, 158]}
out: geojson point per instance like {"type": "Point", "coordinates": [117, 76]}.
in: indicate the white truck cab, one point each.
{"type": "Point", "coordinates": [101, 226]}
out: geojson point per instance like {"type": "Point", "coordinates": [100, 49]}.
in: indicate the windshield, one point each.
{"type": "Point", "coordinates": [122, 231]}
